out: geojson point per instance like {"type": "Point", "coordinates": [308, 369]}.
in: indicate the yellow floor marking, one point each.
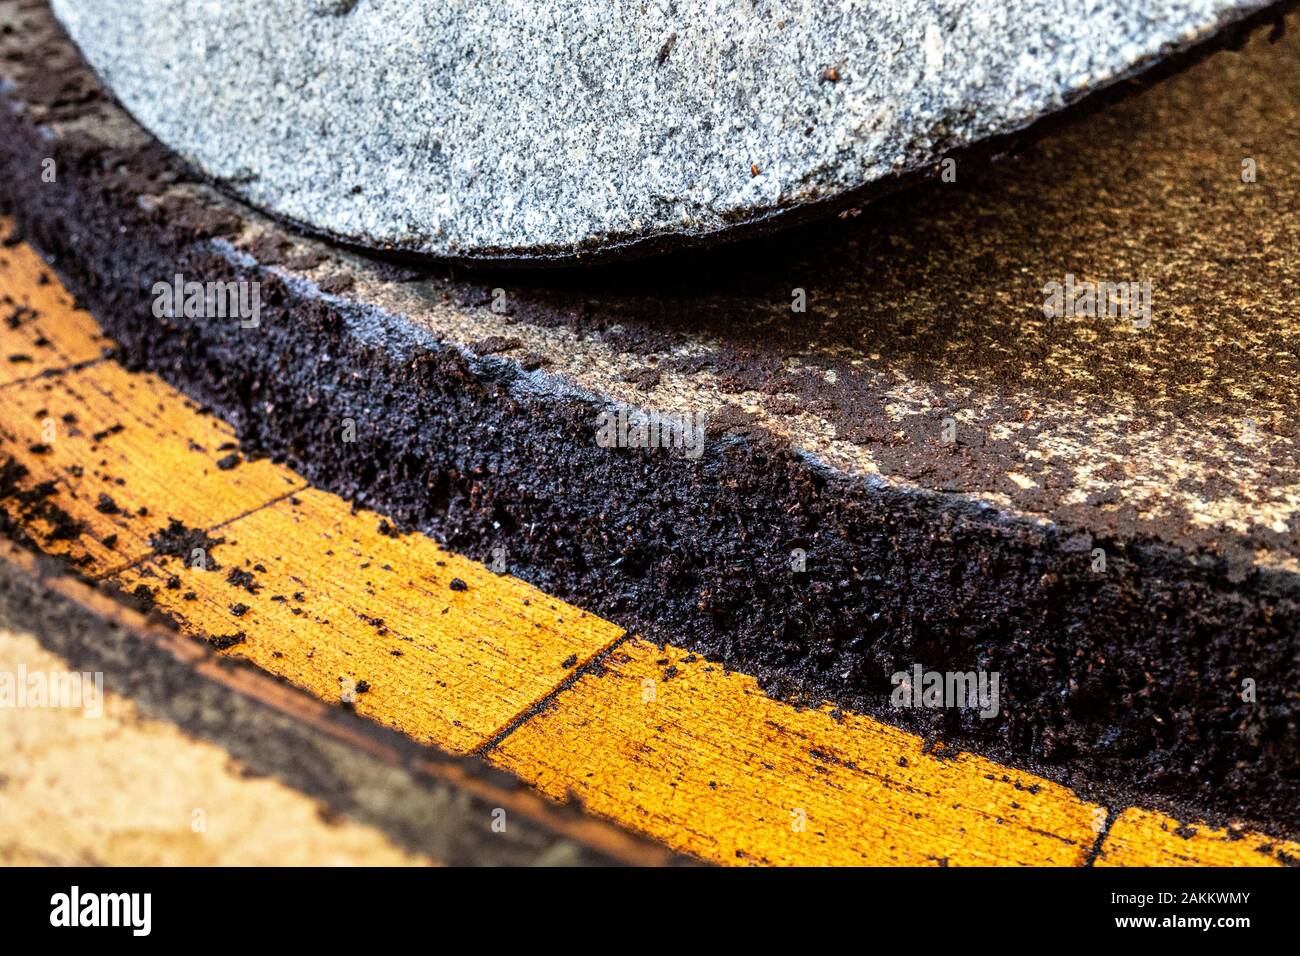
{"type": "Point", "coordinates": [122, 789]}
{"type": "Point", "coordinates": [446, 666]}
{"type": "Point", "coordinates": [702, 760]}
{"type": "Point", "coordinates": [104, 431]}
{"type": "Point", "coordinates": [39, 327]}
{"type": "Point", "coordinates": [1147, 838]}
{"type": "Point", "coordinates": [338, 602]}
{"type": "Point", "coordinates": [692, 756]}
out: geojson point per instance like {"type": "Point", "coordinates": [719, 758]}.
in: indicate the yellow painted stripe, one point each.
{"type": "Point", "coordinates": [1146, 838]}
{"type": "Point", "coordinates": [128, 453]}
{"type": "Point", "coordinates": [666, 744]}
{"type": "Point", "coordinates": [450, 652]}
{"type": "Point", "coordinates": [446, 666]}
{"type": "Point", "coordinates": [42, 330]}
{"type": "Point", "coordinates": [440, 647]}
{"type": "Point", "coordinates": [702, 760]}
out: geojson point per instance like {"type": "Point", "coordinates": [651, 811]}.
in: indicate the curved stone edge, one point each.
{"type": "Point", "coordinates": [1232, 30]}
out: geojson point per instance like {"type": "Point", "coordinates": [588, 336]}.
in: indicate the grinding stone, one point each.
{"type": "Point", "coordinates": [487, 129]}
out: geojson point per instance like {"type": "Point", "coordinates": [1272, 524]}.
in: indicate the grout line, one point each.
{"type": "Point", "coordinates": [56, 372]}
{"type": "Point", "coordinates": [151, 553]}
{"type": "Point", "coordinates": [592, 666]}
{"type": "Point", "coordinates": [305, 486]}
{"type": "Point", "coordinates": [1112, 814]}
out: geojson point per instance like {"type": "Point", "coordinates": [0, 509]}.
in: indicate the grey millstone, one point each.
{"type": "Point", "coordinates": [503, 128]}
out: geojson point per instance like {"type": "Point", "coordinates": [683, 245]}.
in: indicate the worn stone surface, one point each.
{"type": "Point", "coordinates": [473, 129]}
{"type": "Point", "coordinates": [1172, 447]}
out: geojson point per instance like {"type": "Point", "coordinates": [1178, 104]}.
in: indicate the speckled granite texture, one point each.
{"type": "Point", "coordinates": [490, 129]}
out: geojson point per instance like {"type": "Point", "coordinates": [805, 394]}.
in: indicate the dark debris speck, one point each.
{"type": "Point", "coordinates": [224, 641]}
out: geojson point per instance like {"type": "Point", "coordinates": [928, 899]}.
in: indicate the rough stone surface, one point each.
{"type": "Point", "coordinates": [473, 129]}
